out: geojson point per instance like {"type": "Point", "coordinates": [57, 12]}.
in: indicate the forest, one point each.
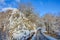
{"type": "Point", "coordinates": [24, 24]}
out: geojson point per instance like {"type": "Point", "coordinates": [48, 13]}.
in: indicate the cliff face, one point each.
{"type": "Point", "coordinates": [20, 25]}
{"type": "Point", "coordinates": [17, 25]}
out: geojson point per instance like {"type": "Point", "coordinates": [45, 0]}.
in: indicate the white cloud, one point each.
{"type": "Point", "coordinates": [13, 4]}
{"type": "Point", "coordinates": [8, 8]}
{"type": "Point", "coordinates": [17, 0]}
{"type": "Point", "coordinates": [2, 4]}
{"type": "Point", "coordinates": [2, 1]}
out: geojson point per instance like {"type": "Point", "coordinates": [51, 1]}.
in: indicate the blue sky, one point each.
{"type": "Point", "coordinates": [40, 6]}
